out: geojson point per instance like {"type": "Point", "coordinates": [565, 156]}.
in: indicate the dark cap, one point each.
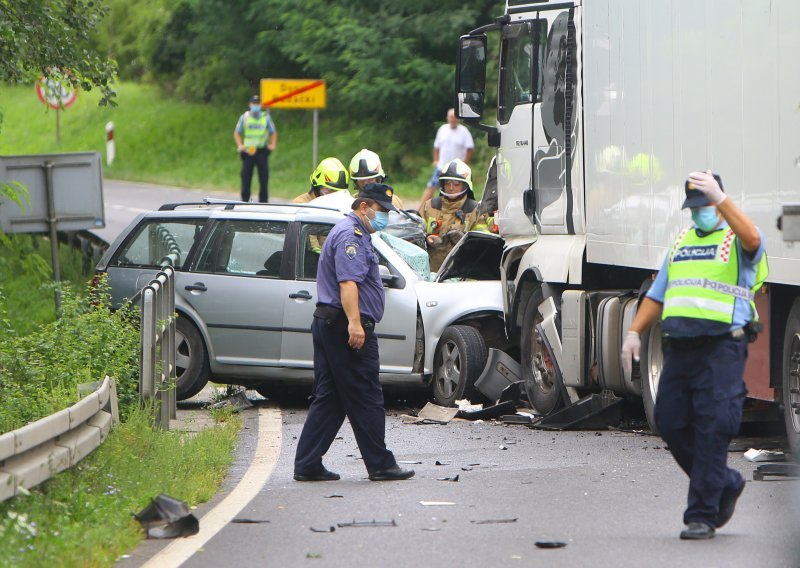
{"type": "Point", "coordinates": [380, 193]}
{"type": "Point", "coordinates": [695, 197]}
{"type": "Point", "coordinates": [255, 99]}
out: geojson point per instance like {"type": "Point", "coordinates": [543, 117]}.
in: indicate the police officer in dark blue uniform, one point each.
{"type": "Point", "coordinates": [704, 294]}
{"type": "Point", "coordinates": [346, 364]}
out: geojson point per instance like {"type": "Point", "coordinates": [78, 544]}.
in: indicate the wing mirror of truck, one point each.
{"type": "Point", "coordinates": [471, 76]}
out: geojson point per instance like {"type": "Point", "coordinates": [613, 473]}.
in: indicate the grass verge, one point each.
{"type": "Point", "coordinates": [84, 516]}
{"type": "Point", "coordinates": [167, 141]}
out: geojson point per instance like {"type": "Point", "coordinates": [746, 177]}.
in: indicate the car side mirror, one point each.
{"type": "Point", "coordinates": [386, 276]}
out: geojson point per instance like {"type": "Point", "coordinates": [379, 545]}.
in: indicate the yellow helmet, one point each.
{"type": "Point", "coordinates": [366, 164]}
{"type": "Point", "coordinates": [457, 170]}
{"type": "Point", "coordinates": [330, 173]}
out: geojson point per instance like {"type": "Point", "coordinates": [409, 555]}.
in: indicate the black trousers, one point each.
{"type": "Point", "coordinates": [699, 403]}
{"type": "Point", "coordinates": [259, 160]}
{"type": "Point", "coordinates": [345, 384]}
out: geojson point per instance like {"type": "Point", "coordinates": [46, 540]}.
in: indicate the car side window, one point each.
{"type": "Point", "coordinates": [245, 248]}
{"type": "Point", "coordinates": [160, 242]}
{"type": "Point", "coordinates": [312, 237]}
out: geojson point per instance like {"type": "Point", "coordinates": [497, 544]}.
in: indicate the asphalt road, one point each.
{"type": "Point", "coordinates": [616, 499]}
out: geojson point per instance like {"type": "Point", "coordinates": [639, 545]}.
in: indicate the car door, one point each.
{"type": "Point", "coordinates": [236, 285]}
{"type": "Point", "coordinates": [300, 299]}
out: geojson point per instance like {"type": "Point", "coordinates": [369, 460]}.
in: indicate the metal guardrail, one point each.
{"type": "Point", "coordinates": [34, 453]}
{"type": "Point", "coordinates": [158, 371]}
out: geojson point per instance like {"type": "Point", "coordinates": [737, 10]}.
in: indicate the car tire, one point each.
{"type": "Point", "coordinates": [651, 362]}
{"type": "Point", "coordinates": [791, 379]}
{"type": "Point", "coordinates": [542, 381]}
{"type": "Point", "coordinates": [191, 359]}
{"type": "Point", "coordinates": [458, 362]}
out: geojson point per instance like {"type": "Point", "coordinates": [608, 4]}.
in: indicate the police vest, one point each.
{"type": "Point", "coordinates": [703, 281]}
{"type": "Point", "coordinates": [255, 130]}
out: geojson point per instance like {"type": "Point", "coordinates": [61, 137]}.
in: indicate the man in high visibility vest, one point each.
{"type": "Point", "coordinates": [256, 138]}
{"type": "Point", "coordinates": [704, 294]}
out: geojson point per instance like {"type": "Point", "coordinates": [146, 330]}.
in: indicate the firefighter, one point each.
{"type": "Point", "coordinates": [366, 168]}
{"type": "Point", "coordinates": [704, 295]}
{"type": "Point", "coordinates": [329, 176]}
{"type": "Point", "coordinates": [452, 213]}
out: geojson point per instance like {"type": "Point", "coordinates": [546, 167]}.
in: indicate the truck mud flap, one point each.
{"type": "Point", "coordinates": [593, 412]}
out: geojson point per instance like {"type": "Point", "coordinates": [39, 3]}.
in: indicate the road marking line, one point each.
{"type": "Point", "coordinates": [257, 474]}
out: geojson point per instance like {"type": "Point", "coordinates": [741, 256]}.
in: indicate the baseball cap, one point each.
{"type": "Point", "coordinates": [695, 197]}
{"type": "Point", "coordinates": [255, 99]}
{"type": "Point", "coordinates": [380, 193]}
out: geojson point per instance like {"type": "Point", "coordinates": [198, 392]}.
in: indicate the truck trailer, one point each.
{"type": "Point", "coordinates": [603, 108]}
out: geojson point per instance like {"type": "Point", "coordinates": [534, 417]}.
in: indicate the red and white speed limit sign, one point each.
{"type": "Point", "coordinates": [54, 94]}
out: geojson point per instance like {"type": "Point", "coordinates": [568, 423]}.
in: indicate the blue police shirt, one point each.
{"type": "Point", "coordinates": [347, 255]}
{"type": "Point", "coordinates": [747, 278]}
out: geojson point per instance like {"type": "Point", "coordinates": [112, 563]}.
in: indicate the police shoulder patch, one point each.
{"type": "Point", "coordinates": [357, 232]}
{"type": "Point", "coordinates": [350, 250]}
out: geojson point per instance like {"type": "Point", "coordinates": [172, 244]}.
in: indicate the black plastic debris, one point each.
{"type": "Point", "coordinates": [454, 478]}
{"type": "Point", "coordinates": [440, 463]}
{"type": "Point", "coordinates": [466, 469]}
{"type": "Point", "coordinates": [489, 412]}
{"type": "Point", "coordinates": [503, 448]}
{"type": "Point", "coordinates": [594, 412]}
{"type": "Point", "coordinates": [516, 419]}
{"type": "Point", "coordinates": [328, 530]}
{"type": "Point", "coordinates": [550, 544]}
{"type": "Point", "coordinates": [494, 521]}
{"type": "Point", "coordinates": [513, 393]}
{"type": "Point", "coordinates": [409, 462]}
{"type": "Point", "coordinates": [372, 523]}
{"type": "Point", "coordinates": [166, 517]}
{"type": "Point", "coordinates": [791, 470]}
{"type": "Point", "coordinates": [237, 401]}
{"type": "Point", "coordinates": [244, 521]}
{"type": "Point", "coordinates": [334, 496]}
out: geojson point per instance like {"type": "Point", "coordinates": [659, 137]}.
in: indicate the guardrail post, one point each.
{"type": "Point", "coordinates": [148, 345]}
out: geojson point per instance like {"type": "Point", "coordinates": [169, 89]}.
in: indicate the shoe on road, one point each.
{"type": "Point", "coordinates": [395, 473]}
{"type": "Point", "coordinates": [697, 531]}
{"type": "Point", "coordinates": [323, 475]}
{"type": "Point", "coordinates": [727, 505]}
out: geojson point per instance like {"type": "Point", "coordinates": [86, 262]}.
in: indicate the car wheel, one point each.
{"type": "Point", "coordinates": [651, 362]}
{"type": "Point", "coordinates": [791, 379]}
{"type": "Point", "coordinates": [459, 360]}
{"type": "Point", "coordinates": [191, 359]}
{"type": "Point", "coordinates": [542, 381]}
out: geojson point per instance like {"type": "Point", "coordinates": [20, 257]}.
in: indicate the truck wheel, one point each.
{"type": "Point", "coordinates": [791, 379]}
{"type": "Point", "coordinates": [542, 383]}
{"type": "Point", "coordinates": [191, 360]}
{"type": "Point", "coordinates": [650, 364]}
{"type": "Point", "coordinates": [459, 360]}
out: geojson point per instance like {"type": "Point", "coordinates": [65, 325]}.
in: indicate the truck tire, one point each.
{"type": "Point", "coordinates": [542, 382]}
{"type": "Point", "coordinates": [458, 362]}
{"type": "Point", "coordinates": [191, 359]}
{"type": "Point", "coordinates": [650, 364]}
{"type": "Point", "coordinates": [791, 379]}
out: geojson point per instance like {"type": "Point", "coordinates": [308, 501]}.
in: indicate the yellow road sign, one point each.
{"type": "Point", "coordinates": [293, 93]}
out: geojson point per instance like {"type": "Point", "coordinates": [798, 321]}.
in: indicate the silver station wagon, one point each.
{"type": "Point", "coordinates": [246, 292]}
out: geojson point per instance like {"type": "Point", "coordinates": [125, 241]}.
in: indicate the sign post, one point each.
{"type": "Point", "coordinates": [55, 95]}
{"type": "Point", "coordinates": [296, 94]}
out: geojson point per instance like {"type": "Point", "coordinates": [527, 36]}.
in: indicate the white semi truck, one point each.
{"type": "Point", "coordinates": [604, 107]}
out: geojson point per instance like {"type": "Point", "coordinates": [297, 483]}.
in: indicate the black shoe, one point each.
{"type": "Point", "coordinates": [323, 475]}
{"type": "Point", "coordinates": [697, 531]}
{"type": "Point", "coordinates": [394, 473]}
{"type": "Point", "coordinates": [727, 504]}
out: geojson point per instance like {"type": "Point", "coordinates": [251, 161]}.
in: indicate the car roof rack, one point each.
{"type": "Point", "coordinates": [230, 205]}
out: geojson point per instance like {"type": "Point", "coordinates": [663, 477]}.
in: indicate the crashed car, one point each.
{"type": "Point", "coordinates": [246, 291]}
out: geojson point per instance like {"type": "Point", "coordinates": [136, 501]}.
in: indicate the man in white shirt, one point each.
{"type": "Point", "coordinates": [453, 141]}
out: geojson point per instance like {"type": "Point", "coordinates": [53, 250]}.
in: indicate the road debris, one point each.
{"type": "Point", "coordinates": [454, 478]}
{"type": "Point", "coordinates": [494, 521]}
{"type": "Point", "coordinates": [518, 418]}
{"type": "Point", "coordinates": [431, 529]}
{"type": "Point", "coordinates": [236, 401]}
{"type": "Point", "coordinates": [550, 544]}
{"type": "Point", "coordinates": [755, 455]}
{"type": "Point", "coordinates": [334, 496]}
{"type": "Point", "coordinates": [435, 503]}
{"type": "Point", "coordinates": [372, 523]}
{"type": "Point", "coordinates": [440, 463]}
{"type": "Point", "coordinates": [245, 521]}
{"type": "Point", "coordinates": [489, 412]}
{"type": "Point", "coordinates": [431, 414]}
{"type": "Point", "coordinates": [466, 406]}
{"type": "Point", "coordinates": [328, 530]}
{"type": "Point", "coordinates": [503, 447]}
{"type": "Point", "coordinates": [409, 462]}
{"type": "Point", "coordinates": [166, 517]}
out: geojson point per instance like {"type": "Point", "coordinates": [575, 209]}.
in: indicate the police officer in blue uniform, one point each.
{"type": "Point", "coordinates": [704, 294]}
{"type": "Point", "coordinates": [346, 364]}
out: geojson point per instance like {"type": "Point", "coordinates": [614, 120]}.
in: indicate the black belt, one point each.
{"type": "Point", "coordinates": [332, 314]}
{"type": "Point", "coordinates": [700, 340]}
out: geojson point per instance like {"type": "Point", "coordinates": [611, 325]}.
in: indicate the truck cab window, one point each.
{"type": "Point", "coordinates": [519, 60]}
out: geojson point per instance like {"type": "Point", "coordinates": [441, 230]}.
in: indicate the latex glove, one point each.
{"type": "Point", "coordinates": [435, 241]}
{"type": "Point", "coordinates": [705, 182]}
{"type": "Point", "coordinates": [454, 236]}
{"type": "Point", "coordinates": [630, 348]}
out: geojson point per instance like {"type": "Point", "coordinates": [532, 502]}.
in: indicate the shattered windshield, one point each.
{"type": "Point", "coordinates": [414, 256]}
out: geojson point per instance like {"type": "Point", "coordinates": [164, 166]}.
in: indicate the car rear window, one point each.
{"type": "Point", "coordinates": [160, 242]}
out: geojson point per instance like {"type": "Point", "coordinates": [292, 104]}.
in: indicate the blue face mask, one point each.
{"type": "Point", "coordinates": [255, 108]}
{"type": "Point", "coordinates": [705, 218]}
{"type": "Point", "coordinates": [380, 220]}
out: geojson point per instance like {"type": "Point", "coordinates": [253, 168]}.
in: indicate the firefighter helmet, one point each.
{"type": "Point", "coordinates": [330, 173]}
{"type": "Point", "coordinates": [457, 170]}
{"type": "Point", "coordinates": [366, 164]}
